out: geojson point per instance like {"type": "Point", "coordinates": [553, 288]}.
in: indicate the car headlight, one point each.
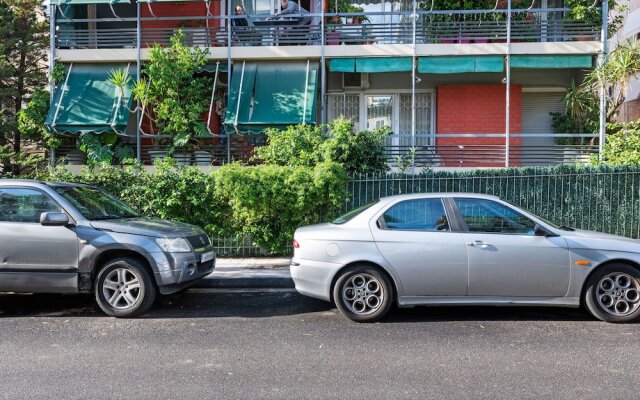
{"type": "Point", "coordinates": [174, 245]}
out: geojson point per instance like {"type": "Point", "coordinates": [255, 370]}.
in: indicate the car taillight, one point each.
{"type": "Point", "coordinates": [296, 245]}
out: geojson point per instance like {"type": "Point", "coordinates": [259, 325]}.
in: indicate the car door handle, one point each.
{"type": "Point", "coordinates": [478, 243]}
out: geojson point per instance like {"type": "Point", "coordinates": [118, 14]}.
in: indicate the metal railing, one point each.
{"type": "Point", "coordinates": [606, 200]}
{"type": "Point", "coordinates": [406, 151]}
{"type": "Point", "coordinates": [455, 26]}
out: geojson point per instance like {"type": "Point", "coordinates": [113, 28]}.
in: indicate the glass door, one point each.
{"type": "Point", "coordinates": [379, 111]}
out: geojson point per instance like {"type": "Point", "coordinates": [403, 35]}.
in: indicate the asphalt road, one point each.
{"type": "Point", "coordinates": [278, 344]}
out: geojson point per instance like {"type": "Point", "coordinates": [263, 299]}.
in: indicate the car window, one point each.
{"type": "Point", "coordinates": [482, 215]}
{"type": "Point", "coordinates": [417, 215]}
{"type": "Point", "coordinates": [25, 205]}
{"type": "Point", "coordinates": [343, 219]}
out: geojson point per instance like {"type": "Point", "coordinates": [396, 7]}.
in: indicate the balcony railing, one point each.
{"type": "Point", "coordinates": [403, 151]}
{"type": "Point", "coordinates": [461, 26]}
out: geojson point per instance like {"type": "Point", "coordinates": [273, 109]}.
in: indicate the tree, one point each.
{"type": "Point", "coordinates": [24, 39]}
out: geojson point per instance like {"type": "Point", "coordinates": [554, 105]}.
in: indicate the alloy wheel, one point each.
{"type": "Point", "coordinates": [121, 287]}
{"type": "Point", "coordinates": [618, 294]}
{"type": "Point", "coordinates": [363, 294]}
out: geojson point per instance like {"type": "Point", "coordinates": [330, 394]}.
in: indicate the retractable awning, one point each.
{"type": "Point", "coordinates": [87, 102]}
{"type": "Point", "coordinates": [552, 62]}
{"type": "Point", "coordinates": [371, 64]}
{"type": "Point", "coordinates": [459, 65]}
{"type": "Point", "coordinates": [272, 94]}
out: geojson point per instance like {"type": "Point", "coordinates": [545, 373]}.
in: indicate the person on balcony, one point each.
{"type": "Point", "coordinates": [247, 35]}
{"type": "Point", "coordinates": [291, 7]}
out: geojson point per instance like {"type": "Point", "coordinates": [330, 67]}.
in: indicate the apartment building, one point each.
{"type": "Point", "coordinates": [458, 88]}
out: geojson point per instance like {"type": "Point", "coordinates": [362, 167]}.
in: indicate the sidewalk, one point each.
{"type": "Point", "coordinates": [233, 273]}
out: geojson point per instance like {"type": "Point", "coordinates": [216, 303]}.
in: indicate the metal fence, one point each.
{"type": "Point", "coordinates": [600, 199]}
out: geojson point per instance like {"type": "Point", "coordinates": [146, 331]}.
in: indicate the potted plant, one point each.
{"type": "Point", "coordinates": [174, 94]}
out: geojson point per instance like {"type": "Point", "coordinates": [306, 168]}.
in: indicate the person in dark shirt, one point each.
{"type": "Point", "coordinates": [291, 7]}
{"type": "Point", "coordinates": [240, 21]}
{"type": "Point", "coordinates": [246, 34]}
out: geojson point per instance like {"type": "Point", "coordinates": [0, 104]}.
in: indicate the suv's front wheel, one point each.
{"type": "Point", "coordinates": [124, 288]}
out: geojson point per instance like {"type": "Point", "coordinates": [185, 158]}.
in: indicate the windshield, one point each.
{"type": "Point", "coordinates": [352, 214]}
{"type": "Point", "coordinates": [94, 204]}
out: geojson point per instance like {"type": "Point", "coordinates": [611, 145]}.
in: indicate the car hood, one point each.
{"type": "Point", "coordinates": [600, 241]}
{"type": "Point", "coordinates": [148, 227]}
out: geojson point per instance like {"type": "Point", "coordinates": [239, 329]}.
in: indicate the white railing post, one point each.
{"type": "Point", "coordinates": [602, 58]}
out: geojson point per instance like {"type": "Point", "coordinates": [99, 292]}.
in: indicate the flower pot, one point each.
{"type": "Point", "coordinates": [156, 155]}
{"type": "Point", "coordinates": [202, 158]}
{"type": "Point", "coordinates": [182, 158]}
{"type": "Point", "coordinates": [333, 38]}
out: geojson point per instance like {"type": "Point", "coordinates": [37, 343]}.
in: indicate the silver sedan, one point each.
{"type": "Point", "coordinates": [463, 249]}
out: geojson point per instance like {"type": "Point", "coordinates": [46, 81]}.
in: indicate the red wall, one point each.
{"type": "Point", "coordinates": [476, 108]}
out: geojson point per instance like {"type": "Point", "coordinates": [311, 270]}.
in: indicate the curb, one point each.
{"type": "Point", "coordinates": [245, 283]}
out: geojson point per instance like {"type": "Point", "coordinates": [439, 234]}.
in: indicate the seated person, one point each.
{"type": "Point", "coordinates": [245, 33]}
{"type": "Point", "coordinates": [291, 7]}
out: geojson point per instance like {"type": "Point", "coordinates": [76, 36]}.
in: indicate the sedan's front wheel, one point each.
{"type": "Point", "coordinates": [124, 288]}
{"type": "Point", "coordinates": [363, 294]}
{"type": "Point", "coordinates": [613, 293]}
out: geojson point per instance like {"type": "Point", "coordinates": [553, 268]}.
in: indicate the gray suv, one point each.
{"type": "Point", "coordinates": [73, 238]}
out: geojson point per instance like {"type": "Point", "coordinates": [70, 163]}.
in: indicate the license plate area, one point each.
{"type": "Point", "coordinates": [208, 256]}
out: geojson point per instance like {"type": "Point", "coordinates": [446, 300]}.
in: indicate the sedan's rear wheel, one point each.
{"type": "Point", "coordinates": [124, 288]}
{"type": "Point", "coordinates": [613, 293]}
{"type": "Point", "coordinates": [363, 294]}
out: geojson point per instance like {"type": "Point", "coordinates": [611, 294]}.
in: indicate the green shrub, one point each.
{"type": "Point", "coordinates": [266, 203]}
{"type": "Point", "coordinates": [622, 145]}
{"type": "Point", "coordinates": [304, 145]}
{"type": "Point", "coordinates": [269, 202]}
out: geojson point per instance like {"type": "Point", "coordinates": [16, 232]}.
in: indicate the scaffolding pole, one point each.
{"type": "Point", "coordinates": [52, 63]}
{"type": "Point", "coordinates": [139, 116]}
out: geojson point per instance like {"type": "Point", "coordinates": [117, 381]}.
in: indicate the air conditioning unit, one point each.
{"type": "Point", "coordinates": [355, 80]}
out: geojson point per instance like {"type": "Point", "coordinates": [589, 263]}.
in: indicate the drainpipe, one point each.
{"type": "Point", "coordinates": [508, 84]}
{"type": "Point", "coordinates": [413, 87]}
{"type": "Point", "coordinates": [52, 63]}
{"type": "Point", "coordinates": [138, 66]}
{"type": "Point", "coordinates": [602, 58]}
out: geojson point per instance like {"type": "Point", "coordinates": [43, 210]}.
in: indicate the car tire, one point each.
{"type": "Point", "coordinates": [124, 288]}
{"type": "Point", "coordinates": [363, 293]}
{"type": "Point", "coordinates": [613, 293]}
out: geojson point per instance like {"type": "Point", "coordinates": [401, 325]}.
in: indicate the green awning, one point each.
{"type": "Point", "coordinates": [579, 61]}
{"type": "Point", "coordinates": [384, 64]}
{"type": "Point", "coordinates": [459, 65]}
{"type": "Point", "coordinates": [211, 67]}
{"type": "Point", "coordinates": [242, 84]}
{"type": "Point", "coordinates": [72, 2]}
{"type": "Point", "coordinates": [283, 94]}
{"type": "Point", "coordinates": [342, 65]}
{"type": "Point", "coordinates": [371, 64]}
{"type": "Point", "coordinates": [87, 102]}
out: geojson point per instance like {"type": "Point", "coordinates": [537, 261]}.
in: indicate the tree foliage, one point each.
{"type": "Point", "coordinates": [305, 145]}
{"type": "Point", "coordinates": [23, 64]}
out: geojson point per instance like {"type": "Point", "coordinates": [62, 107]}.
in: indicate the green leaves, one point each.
{"type": "Point", "coordinates": [622, 146]}
{"type": "Point", "coordinates": [308, 145]}
{"type": "Point", "coordinates": [175, 89]}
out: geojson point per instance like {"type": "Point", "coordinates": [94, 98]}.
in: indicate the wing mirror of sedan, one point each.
{"type": "Point", "coordinates": [54, 219]}
{"type": "Point", "coordinates": [539, 230]}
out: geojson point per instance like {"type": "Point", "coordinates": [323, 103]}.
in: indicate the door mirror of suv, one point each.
{"type": "Point", "coordinates": [54, 219]}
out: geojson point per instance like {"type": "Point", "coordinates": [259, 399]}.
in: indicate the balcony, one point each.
{"type": "Point", "coordinates": [548, 25]}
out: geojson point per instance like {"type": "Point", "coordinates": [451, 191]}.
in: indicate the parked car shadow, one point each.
{"type": "Point", "coordinates": [189, 304]}
{"type": "Point", "coordinates": [485, 313]}
{"type": "Point", "coordinates": [196, 303]}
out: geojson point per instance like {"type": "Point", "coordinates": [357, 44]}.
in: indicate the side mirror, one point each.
{"type": "Point", "coordinates": [54, 219]}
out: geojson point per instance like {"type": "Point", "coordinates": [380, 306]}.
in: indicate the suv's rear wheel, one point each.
{"type": "Point", "coordinates": [124, 288]}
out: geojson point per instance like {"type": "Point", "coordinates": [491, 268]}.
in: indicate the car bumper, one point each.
{"type": "Point", "coordinates": [177, 271]}
{"type": "Point", "coordinates": [314, 278]}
